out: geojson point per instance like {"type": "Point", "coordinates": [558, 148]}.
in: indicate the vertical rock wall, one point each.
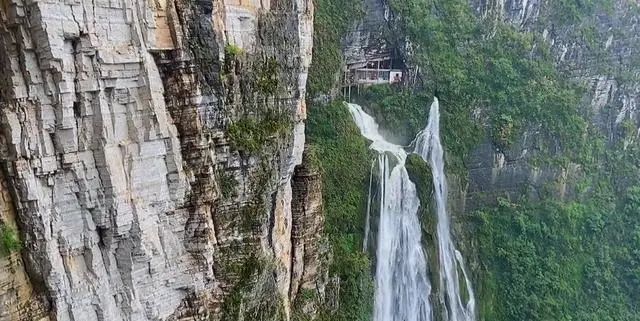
{"type": "Point", "coordinates": [308, 223]}
{"type": "Point", "coordinates": [518, 12]}
{"type": "Point", "coordinates": [367, 38]}
{"type": "Point", "coordinates": [132, 201]}
{"type": "Point", "coordinates": [601, 52]}
{"type": "Point", "coordinates": [18, 298]}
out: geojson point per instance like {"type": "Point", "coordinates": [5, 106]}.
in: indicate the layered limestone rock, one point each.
{"type": "Point", "coordinates": [134, 201]}
{"type": "Point", "coordinates": [18, 298]}
{"type": "Point", "coordinates": [308, 223]}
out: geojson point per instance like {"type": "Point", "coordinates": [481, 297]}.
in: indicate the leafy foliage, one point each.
{"type": "Point", "coordinates": [9, 240]}
{"type": "Point", "coordinates": [503, 78]}
{"type": "Point", "coordinates": [267, 77]}
{"type": "Point", "coordinates": [401, 112]}
{"type": "Point", "coordinates": [250, 135]}
{"type": "Point", "coordinates": [345, 163]}
{"type": "Point", "coordinates": [252, 296]}
{"type": "Point", "coordinates": [227, 182]}
{"type": "Point", "coordinates": [554, 261]}
{"type": "Point", "coordinates": [579, 260]}
{"type": "Point", "coordinates": [232, 50]}
{"type": "Point", "coordinates": [332, 20]}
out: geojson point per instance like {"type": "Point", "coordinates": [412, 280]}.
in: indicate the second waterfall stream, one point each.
{"type": "Point", "coordinates": [403, 288]}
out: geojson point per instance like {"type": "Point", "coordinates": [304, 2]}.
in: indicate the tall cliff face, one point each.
{"type": "Point", "coordinates": [149, 149]}
{"type": "Point", "coordinates": [599, 50]}
{"type": "Point", "coordinates": [366, 37]}
{"type": "Point", "coordinates": [596, 47]}
{"type": "Point", "coordinates": [309, 273]}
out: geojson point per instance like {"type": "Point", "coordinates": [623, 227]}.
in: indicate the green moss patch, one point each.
{"type": "Point", "coordinates": [9, 240]}
{"type": "Point", "coordinates": [332, 20]}
{"type": "Point", "coordinates": [250, 134]}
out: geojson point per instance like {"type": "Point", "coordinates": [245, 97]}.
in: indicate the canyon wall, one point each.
{"type": "Point", "coordinates": [148, 151]}
{"type": "Point", "coordinates": [600, 51]}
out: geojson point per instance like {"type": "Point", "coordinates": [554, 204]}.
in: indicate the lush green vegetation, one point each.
{"type": "Point", "coordinates": [401, 112]}
{"type": "Point", "coordinates": [332, 20]}
{"type": "Point", "coordinates": [540, 259]}
{"type": "Point", "coordinates": [345, 162]}
{"type": "Point", "coordinates": [250, 135]}
{"type": "Point", "coordinates": [228, 183]}
{"type": "Point", "coordinates": [553, 261]}
{"type": "Point", "coordinates": [343, 157]}
{"type": "Point", "coordinates": [232, 51]}
{"type": "Point", "coordinates": [267, 77]}
{"type": "Point", "coordinates": [578, 260]}
{"type": "Point", "coordinates": [252, 297]}
{"type": "Point", "coordinates": [489, 78]}
{"type": "Point", "coordinates": [9, 240]}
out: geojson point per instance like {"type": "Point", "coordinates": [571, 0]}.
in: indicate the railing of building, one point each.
{"type": "Point", "coordinates": [374, 71]}
{"type": "Point", "coordinates": [372, 76]}
{"type": "Point", "coordinates": [365, 76]}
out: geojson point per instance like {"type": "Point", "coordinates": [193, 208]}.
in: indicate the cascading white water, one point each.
{"type": "Point", "coordinates": [429, 147]}
{"type": "Point", "coordinates": [402, 285]}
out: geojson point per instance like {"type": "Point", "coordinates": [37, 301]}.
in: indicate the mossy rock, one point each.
{"type": "Point", "coordinates": [251, 134]}
{"type": "Point", "coordinates": [9, 240]}
{"type": "Point", "coordinates": [267, 77]}
{"type": "Point", "coordinates": [254, 297]}
{"type": "Point", "coordinates": [421, 175]}
{"type": "Point", "coordinates": [227, 183]}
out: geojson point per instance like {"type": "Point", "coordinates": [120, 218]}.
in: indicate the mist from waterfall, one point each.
{"type": "Point", "coordinates": [402, 285]}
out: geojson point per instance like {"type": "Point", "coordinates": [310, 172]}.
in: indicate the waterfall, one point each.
{"type": "Point", "coordinates": [402, 286]}
{"type": "Point", "coordinates": [429, 147]}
